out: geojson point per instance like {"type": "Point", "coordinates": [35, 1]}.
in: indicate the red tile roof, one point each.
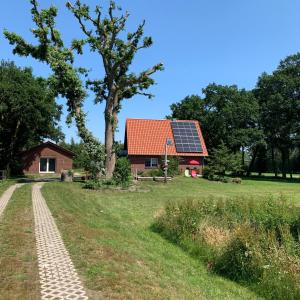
{"type": "Point", "coordinates": [148, 137]}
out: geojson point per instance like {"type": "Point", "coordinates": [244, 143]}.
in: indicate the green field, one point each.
{"type": "Point", "coordinates": [109, 236]}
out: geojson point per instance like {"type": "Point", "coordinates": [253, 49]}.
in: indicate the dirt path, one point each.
{"type": "Point", "coordinates": [58, 277]}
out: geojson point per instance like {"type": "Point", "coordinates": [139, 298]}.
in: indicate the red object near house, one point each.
{"type": "Point", "coordinates": [145, 143]}
{"type": "Point", "coordinates": [194, 162]}
{"type": "Point", "coordinates": [194, 173]}
{"type": "Point", "coordinates": [46, 158]}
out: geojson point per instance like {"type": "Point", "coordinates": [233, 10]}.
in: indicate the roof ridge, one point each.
{"type": "Point", "coordinates": [147, 119]}
{"type": "Point", "coordinates": [170, 120]}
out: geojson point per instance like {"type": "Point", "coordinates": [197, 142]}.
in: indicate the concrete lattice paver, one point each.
{"type": "Point", "coordinates": [7, 195]}
{"type": "Point", "coordinates": [58, 277]}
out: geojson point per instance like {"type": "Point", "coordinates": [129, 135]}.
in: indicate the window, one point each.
{"type": "Point", "coordinates": [151, 162]}
{"type": "Point", "coordinates": [47, 165]}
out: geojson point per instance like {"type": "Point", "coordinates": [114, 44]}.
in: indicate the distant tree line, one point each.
{"type": "Point", "coordinates": [262, 124]}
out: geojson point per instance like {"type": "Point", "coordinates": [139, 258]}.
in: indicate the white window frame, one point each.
{"type": "Point", "coordinates": [153, 163]}
{"type": "Point", "coordinates": [47, 168]}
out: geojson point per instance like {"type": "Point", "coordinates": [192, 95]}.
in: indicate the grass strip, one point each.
{"type": "Point", "coordinates": [18, 260]}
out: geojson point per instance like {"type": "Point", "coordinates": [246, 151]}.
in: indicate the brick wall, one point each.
{"type": "Point", "coordinates": [31, 159]}
{"type": "Point", "coordinates": [138, 163]}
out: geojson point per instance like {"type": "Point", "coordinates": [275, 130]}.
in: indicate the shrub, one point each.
{"type": "Point", "coordinates": [122, 173]}
{"type": "Point", "coordinates": [70, 173]}
{"type": "Point", "coordinates": [93, 184]}
{"type": "Point", "coordinates": [153, 173]}
{"type": "Point", "coordinates": [173, 166]}
{"type": "Point", "coordinates": [209, 174]}
{"type": "Point", "coordinates": [93, 157]}
{"type": "Point", "coordinates": [253, 241]}
{"type": "Point", "coordinates": [237, 180]}
{"type": "Point", "coordinates": [97, 184]}
{"type": "Point", "coordinates": [222, 161]}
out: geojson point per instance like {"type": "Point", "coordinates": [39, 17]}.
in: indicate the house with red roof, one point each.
{"type": "Point", "coordinates": [46, 158]}
{"type": "Point", "coordinates": [146, 142]}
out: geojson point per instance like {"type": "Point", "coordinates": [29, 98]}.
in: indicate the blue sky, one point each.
{"type": "Point", "coordinates": [199, 42]}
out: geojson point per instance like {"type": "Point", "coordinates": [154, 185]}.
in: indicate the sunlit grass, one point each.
{"type": "Point", "coordinates": [18, 261]}
{"type": "Point", "coordinates": [118, 255]}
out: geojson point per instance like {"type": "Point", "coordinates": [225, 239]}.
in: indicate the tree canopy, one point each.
{"type": "Point", "coordinates": [28, 113]}
{"type": "Point", "coordinates": [262, 122]}
{"type": "Point", "coordinates": [104, 35]}
{"type": "Point", "coordinates": [227, 115]}
{"type": "Point", "coordinates": [278, 95]}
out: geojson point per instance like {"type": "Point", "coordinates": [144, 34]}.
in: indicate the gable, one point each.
{"type": "Point", "coordinates": [49, 149]}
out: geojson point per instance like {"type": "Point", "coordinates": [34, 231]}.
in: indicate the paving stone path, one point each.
{"type": "Point", "coordinates": [58, 277]}
{"type": "Point", "coordinates": [7, 195]}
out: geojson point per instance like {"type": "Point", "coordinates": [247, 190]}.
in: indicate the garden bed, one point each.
{"type": "Point", "coordinates": [152, 178]}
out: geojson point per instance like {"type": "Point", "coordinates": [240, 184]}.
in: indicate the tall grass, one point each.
{"type": "Point", "coordinates": [248, 240]}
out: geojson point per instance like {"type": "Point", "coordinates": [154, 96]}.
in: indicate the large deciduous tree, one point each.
{"type": "Point", "coordinates": [105, 36]}
{"type": "Point", "coordinates": [227, 115]}
{"type": "Point", "coordinates": [279, 99]}
{"type": "Point", "coordinates": [28, 113]}
{"type": "Point", "coordinates": [66, 78]}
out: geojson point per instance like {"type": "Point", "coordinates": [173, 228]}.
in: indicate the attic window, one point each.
{"type": "Point", "coordinates": [151, 162]}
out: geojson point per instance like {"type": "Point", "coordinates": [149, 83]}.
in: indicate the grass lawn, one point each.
{"type": "Point", "coordinates": [18, 262]}
{"type": "Point", "coordinates": [119, 257]}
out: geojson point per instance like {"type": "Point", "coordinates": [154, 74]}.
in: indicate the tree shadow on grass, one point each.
{"type": "Point", "coordinates": [271, 179]}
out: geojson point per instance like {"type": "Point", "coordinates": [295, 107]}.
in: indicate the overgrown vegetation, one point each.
{"type": "Point", "coordinates": [254, 241]}
{"type": "Point", "coordinates": [122, 172]}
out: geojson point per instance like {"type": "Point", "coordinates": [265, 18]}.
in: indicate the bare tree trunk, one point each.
{"type": "Point", "coordinates": [243, 156]}
{"type": "Point", "coordinates": [110, 159]}
{"type": "Point", "coordinates": [12, 146]}
{"type": "Point", "coordinates": [290, 170]}
{"type": "Point", "coordinates": [284, 156]}
{"type": "Point", "coordinates": [111, 121]}
{"type": "Point", "coordinates": [273, 162]}
{"type": "Point", "coordinates": [255, 151]}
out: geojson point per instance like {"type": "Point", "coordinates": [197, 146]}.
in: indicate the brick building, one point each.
{"type": "Point", "coordinates": [145, 143]}
{"type": "Point", "coordinates": [46, 158]}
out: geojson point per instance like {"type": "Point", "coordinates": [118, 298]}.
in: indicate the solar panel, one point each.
{"type": "Point", "coordinates": [186, 137]}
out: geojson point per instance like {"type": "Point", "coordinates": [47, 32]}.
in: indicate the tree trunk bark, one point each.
{"type": "Point", "coordinates": [273, 162]}
{"type": "Point", "coordinates": [284, 156]}
{"type": "Point", "coordinates": [11, 150]}
{"type": "Point", "coordinates": [111, 121]}
{"type": "Point", "coordinates": [255, 151]}
{"type": "Point", "coordinates": [110, 159]}
{"type": "Point", "coordinates": [243, 157]}
{"type": "Point", "coordinates": [290, 170]}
